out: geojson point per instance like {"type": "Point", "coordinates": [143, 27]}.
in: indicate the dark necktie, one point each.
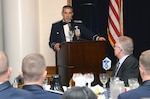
{"type": "Point", "coordinates": [116, 69]}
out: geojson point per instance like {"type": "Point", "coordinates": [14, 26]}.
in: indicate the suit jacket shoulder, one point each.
{"type": "Point", "coordinates": [139, 93]}
{"type": "Point", "coordinates": [129, 69]}
{"type": "Point", "coordinates": [57, 22]}
{"type": "Point", "coordinates": [130, 62]}
{"type": "Point", "coordinates": [131, 58]}
{"type": "Point", "coordinates": [8, 92]}
{"type": "Point", "coordinates": [40, 93]}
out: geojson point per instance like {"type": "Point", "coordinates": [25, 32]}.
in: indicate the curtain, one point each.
{"type": "Point", "coordinates": [94, 14]}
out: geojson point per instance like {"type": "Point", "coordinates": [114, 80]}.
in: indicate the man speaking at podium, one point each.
{"type": "Point", "coordinates": [60, 30]}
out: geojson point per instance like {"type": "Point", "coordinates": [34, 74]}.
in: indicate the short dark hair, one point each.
{"type": "Point", "coordinates": [67, 6]}
{"type": "Point", "coordinates": [79, 93]}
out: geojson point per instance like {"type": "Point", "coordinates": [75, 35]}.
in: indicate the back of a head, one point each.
{"type": "Point", "coordinates": [33, 66]}
{"type": "Point", "coordinates": [126, 44]}
{"type": "Point", "coordinates": [3, 63]}
{"type": "Point", "coordinates": [144, 60]}
{"type": "Point", "coordinates": [79, 93]}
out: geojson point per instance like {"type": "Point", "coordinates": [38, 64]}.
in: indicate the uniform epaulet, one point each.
{"type": "Point", "coordinates": [77, 21]}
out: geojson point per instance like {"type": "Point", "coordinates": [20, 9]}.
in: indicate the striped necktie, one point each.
{"type": "Point", "coordinates": [117, 69]}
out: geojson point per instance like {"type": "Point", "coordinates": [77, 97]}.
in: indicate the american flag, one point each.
{"type": "Point", "coordinates": [115, 20]}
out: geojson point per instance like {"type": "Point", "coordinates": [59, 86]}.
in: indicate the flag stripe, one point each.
{"type": "Point", "coordinates": [114, 11]}
{"type": "Point", "coordinates": [115, 21]}
{"type": "Point", "coordinates": [111, 39]}
{"type": "Point", "coordinates": [114, 27]}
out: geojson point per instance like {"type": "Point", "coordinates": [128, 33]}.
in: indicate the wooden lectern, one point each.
{"type": "Point", "coordinates": [80, 57]}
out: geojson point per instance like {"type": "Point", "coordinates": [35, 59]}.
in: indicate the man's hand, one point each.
{"type": "Point", "coordinates": [101, 39]}
{"type": "Point", "coordinates": [57, 46]}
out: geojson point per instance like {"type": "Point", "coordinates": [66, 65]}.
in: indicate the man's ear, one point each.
{"type": "Point", "coordinates": [21, 73]}
{"type": "Point", "coordinates": [9, 71]}
{"type": "Point", "coordinates": [45, 74]}
{"type": "Point", "coordinates": [141, 70]}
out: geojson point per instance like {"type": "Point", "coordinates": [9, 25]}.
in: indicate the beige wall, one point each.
{"type": "Point", "coordinates": [49, 12]}
{"type": "Point", "coordinates": [1, 33]}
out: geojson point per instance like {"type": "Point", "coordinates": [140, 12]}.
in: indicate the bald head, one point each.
{"type": "Point", "coordinates": [33, 66]}
{"type": "Point", "coordinates": [3, 63]}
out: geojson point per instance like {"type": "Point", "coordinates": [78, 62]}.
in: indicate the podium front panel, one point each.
{"type": "Point", "coordinates": [80, 57]}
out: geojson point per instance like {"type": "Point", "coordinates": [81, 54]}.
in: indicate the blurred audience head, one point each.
{"type": "Point", "coordinates": [34, 68]}
{"type": "Point", "coordinates": [79, 93]}
{"type": "Point", "coordinates": [144, 62]}
{"type": "Point", "coordinates": [5, 70]}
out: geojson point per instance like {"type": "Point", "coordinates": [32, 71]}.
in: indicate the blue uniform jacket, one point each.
{"type": "Point", "coordinates": [8, 92]}
{"type": "Point", "coordinates": [40, 93]}
{"type": "Point", "coordinates": [57, 34]}
{"type": "Point", "coordinates": [139, 93]}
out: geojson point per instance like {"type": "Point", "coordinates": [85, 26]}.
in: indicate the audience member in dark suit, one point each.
{"type": "Point", "coordinates": [142, 92]}
{"type": "Point", "coordinates": [6, 89]}
{"type": "Point", "coordinates": [127, 66]}
{"type": "Point", "coordinates": [34, 73]}
{"type": "Point", "coordinates": [79, 93]}
{"type": "Point", "coordinates": [60, 30]}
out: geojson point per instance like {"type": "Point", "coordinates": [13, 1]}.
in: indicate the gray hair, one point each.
{"type": "Point", "coordinates": [145, 60]}
{"type": "Point", "coordinates": [33, 66]}
{"type": "Point", "coordinates": [4, 64]}
{"type": "Point", "coordinates": [126, 44]}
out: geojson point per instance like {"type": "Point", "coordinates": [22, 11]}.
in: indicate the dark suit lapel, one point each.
{"type": "Point", "coordinates": [122, 65]}
{"type": "Point", "coordinates": [114, 70]}
{"type": "Point", "coordinates": [62, 33]}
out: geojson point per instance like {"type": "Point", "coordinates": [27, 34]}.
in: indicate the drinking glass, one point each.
{"type": "Point", "coordinates": [133, 83]}
{"type": "Point", "coordinates": [79, 79]}
{"type": "Point", "coordinates": [75, 75]}
{"type": "Point", "coordinates": [89, 78]}
{"type": "Point", "coordinates": [113, 79]}
{"type": "Point", "coordinates": [103, 79]}
{"type": "Point", "coordinates": [71, 34]}
{"type": "Point", "coordinates": [116, 87]}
